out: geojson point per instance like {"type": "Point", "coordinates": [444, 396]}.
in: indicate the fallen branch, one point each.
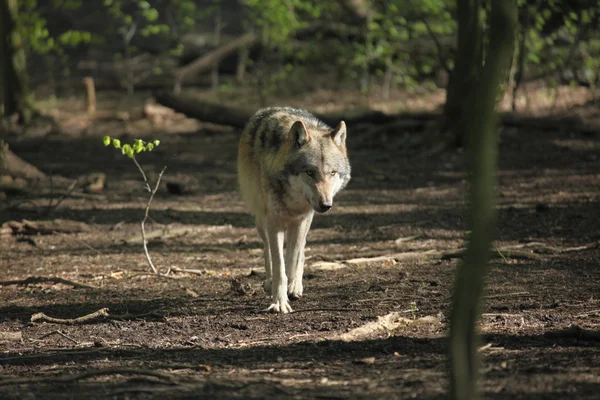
{"type": "Point", "coordinates": [160, 234]}
{"type": "Point", "coordinates": [103, 312]}
{"type": "Point", "coordinates": [411, 255]}
{"type": "Point", "coordinates": [26, 227]}
{"type": "Point", "coordinates": [188, 271]}
{"type": "Point", "coordinates": [419, 255]}
{"type": "Point", "coordinates": [57, 332]}
{"type": "Point", "coordinates": [551, 249]}
{"type": "Point", "coordinates": [503, 295]}
{"type": "Point", "coordinates": [495, 253]}
{"type": "Point", "coordinates": [16, 166]}
{"type": "Point", "coordinates": [386, 323]}
{"type": "Point", "coordinates": [575, 332]}
{"type": "Point", "coordinates": [237, 117]}
{"type": "Point", "coordinates": [170, 379]}
{"type": "Point", "coordinates": [45, 279]}
{"type": "Point", "coordinates": [52, 207]}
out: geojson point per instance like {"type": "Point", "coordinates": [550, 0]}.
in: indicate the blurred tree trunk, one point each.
{"type": "Point", "coordinates": [464, 78]}
{"type": "Point", "coordinates": [480, 128]}
{"type": "Point", "coordinates": [16, 95]}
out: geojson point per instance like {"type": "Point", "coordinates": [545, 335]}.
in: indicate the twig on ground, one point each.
{"type": "Point", "coordinates": [159, 234]}
{"type": "Point", "coordinates": [188, 271]}
{"type": "Point", "coordinates": [326, 310]}
{"type": "Point", "coordinates": [502, 295]}
{"type": "Point", "coordinates": [588, 313]}
{"type": "Point", "coordinates": [157, 275]}
{"type": "Point", "coordinates": [484, 347]}
{"type": "Point", "coordinates": [57, 332]}
{"type": "Point", "coordinates": [511, 253]}
{"type": "Point", "coordinates": [87, 245]}
{"type": "Point", "coordinates": [170, 379]}
{"type": "Point", "coordinates": [103, 312]}
{"type": "Point", "coordinates": [410, 255]}
{"type": "Point", "coordinates": [405, 239]}
{"type": "Point", "coordinates": [44, 279]}
{"type": "Point", "coordinates": [53, 207]}
{"type": "Point", "coordinates": [552, 249]}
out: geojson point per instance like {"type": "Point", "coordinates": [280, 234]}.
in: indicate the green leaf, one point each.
{"type": "Point", "coordinates": [127, 150]}
{"type": "Point", "coordinates": [106, 140]}
{"type": "Point", "coordinates": [150, 146]}
{"type": "Point", "coordinates": [138, 146]}
{"type": "Point", "coordinates": [116, 143]}
{"type": "Point", "coordinates": [156, 142]}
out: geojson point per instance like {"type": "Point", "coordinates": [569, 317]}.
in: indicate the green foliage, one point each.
{"type": "Point", "coordinates": [276, 19]}
{"type": "Point", "coordinates": [129, 14]}
{"type": "Point", "coordinates": [130, 150]}
{"type": "Point", "coordinates": [33, 27]}
{"type": "Point", "coordinates": [388, 32]}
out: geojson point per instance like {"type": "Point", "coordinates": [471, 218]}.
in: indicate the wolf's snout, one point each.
{"type": "Point", "coordinates": [324, 206]}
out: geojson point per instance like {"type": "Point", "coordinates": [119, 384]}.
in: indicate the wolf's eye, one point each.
{"type": "Point", "coordinates": [333, 173]}
{"type": "Point", "coordinates": [310, 173]}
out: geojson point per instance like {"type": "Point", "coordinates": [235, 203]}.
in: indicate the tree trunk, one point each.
{"type": "Point", "coordinates": [465, 75]}
{"type": "Point", "coordinates": [520, 62]}
{"type": "Point", "coordinates": [215, 69]}
{"type": "Point", "coordinates": [16, 95]}
{"type": "Point", "coordinates": [480, 129]}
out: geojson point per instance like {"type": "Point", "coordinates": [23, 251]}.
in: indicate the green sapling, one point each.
{"type": "Point", "coordinates": [130, 150]}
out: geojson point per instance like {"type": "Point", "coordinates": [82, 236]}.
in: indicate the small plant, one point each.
{"type": "Point", "coordinates": [413, 309]}
{"type": "Point", "coordinates": [130, 150]}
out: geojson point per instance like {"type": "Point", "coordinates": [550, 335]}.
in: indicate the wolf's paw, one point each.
{"type": "Point", "coordinates": [280, 307]}
{"type": "Point", "coordinates": [295, 289]}
{"type": "Point", "coordinates": [267, 286]}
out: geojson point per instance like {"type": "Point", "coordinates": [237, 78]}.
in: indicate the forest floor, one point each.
{"type": "Point", "coordinates": [366, 328]}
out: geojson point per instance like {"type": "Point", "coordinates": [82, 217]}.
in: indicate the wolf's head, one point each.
{"type": "Point", "coordinates": [318, 166]}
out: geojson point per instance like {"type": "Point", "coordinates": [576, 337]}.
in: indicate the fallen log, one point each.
{"type": "Point", "coordinates": [205, 111]}
{"type": "Point", "coordinates": [17, 167]}
{"type": "Point", "coordinates": [237, 117]}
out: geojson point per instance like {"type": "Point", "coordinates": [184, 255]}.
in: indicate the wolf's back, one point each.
{"type": "Point", "coordinates": [268, 129]}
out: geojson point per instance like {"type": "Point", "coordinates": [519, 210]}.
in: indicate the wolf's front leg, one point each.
{"type": "Point", "coordinates": [279, 295]}
{"type": "Point", "coordinates": [267, 253]}
{"type": "Point", "coordinates": [295, 254]}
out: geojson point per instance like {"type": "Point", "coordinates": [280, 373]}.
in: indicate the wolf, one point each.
{"type": "Point", "coordinates": [290, 164]}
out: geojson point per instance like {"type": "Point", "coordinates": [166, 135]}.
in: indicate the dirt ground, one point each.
{"type": "Point", "coordinates": [364, 328]}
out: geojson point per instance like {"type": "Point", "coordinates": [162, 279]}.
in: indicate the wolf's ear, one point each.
{"type": "Point", "coordinates": [339, 134]}
{"type": "Point", "coordinates": [298, 134]}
